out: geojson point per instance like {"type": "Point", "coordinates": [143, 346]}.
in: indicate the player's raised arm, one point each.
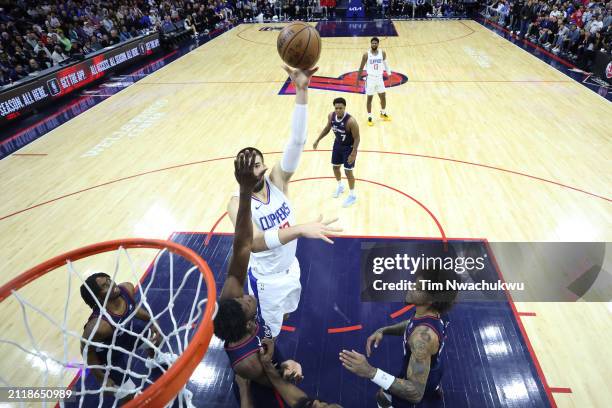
{"type": "Point", "coordinates": [364, 59]}
{"type": "Point", "coordinates": [282, 171]}
{"type": "Point", "coordinates": [243, 235]}
{"type": "Point", "coordinates": [324, 132]}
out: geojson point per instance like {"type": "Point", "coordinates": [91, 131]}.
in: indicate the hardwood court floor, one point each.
{"type": "Point", "coordinates": [493, 142]}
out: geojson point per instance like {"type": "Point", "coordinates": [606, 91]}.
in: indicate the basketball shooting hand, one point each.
{"type": "Point", "coordinates": [300, 77]}
{"type": "Point", "coordinates": [375, 338]}
{"type": "Point", "coordinates": [319, 229]}
{"type": "Point", "coordinates": [357, 363]}
{"type": "Point", "coordinates": [243, 171]}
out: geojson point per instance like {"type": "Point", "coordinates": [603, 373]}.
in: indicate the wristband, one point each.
{"type": "Point", "coordinates": [383, 379]}
{"type": "Point", "coordinates": [272, 239]}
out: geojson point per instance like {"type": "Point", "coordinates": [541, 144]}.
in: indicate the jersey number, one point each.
{"type": "Point", "coordinates": [375, 67]}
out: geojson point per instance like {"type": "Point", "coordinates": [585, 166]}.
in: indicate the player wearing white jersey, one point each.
{"type": "Point", "coordinates": [375, 60]}
{"type": "Point", "coordinates": [274, 272]}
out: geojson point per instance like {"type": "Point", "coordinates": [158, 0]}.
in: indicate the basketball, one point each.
{"type": "Point", "coordinates": [299, 45]}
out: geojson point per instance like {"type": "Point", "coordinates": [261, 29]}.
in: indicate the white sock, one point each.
{"type": "Point", "coordinates": [382, 111]}
{"type": "Point", "coordinates": [339, 183]}
{"type": "Point", "coordinates": [352, 193]}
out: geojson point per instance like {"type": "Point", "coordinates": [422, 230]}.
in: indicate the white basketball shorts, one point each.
{"type": "Point", "coordinates": [277, 293]}
{"type": "Point", "coordinates": [374, 86]}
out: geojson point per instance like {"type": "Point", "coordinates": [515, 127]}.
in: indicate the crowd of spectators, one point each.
{"type": "Point", "coordinates": [36, 35]}
{"type": "Point", "coordinates": [426, 9]}
{"type": "Point", "coordinates": [573, 29]}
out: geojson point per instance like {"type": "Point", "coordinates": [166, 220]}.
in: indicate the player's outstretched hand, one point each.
{"type": "Point", "coordinates": [243, 170]}
{"type": "Point", "coordinates": [319, 229]}
{"type": "Point", "coordinates": [300, 77]}
{"type": "Point", "coordinates": [292, 371]}
{"type": "Point", "coordinates": [375, 338]}
{"type": "Point", "coordinates": [357, 363]}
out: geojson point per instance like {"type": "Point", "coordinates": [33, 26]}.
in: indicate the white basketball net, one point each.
{"type": "Point", "coordinates": [174, 342]}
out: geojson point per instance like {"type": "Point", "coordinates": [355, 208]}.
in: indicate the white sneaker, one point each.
{"type": "Point", "coordinates": [338, 191]}
{"type": "Point", "coordinates": [350, 200]}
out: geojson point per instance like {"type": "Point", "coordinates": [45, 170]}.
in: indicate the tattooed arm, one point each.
{"type": "Point", "coordinates": [423, 344]}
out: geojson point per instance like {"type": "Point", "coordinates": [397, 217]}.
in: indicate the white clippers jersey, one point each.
{"type": "Point", "coordinates": [375, 66]}
{"type": "Point", "coordinates": [276, 213]}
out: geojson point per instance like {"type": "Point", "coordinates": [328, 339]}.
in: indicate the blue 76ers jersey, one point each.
{"type": "Point", "coordinates": [123, 339]}
{"type": "Point", "coordinates": [341, 130]}
{"type": "Point", "coordinates": [250, 346]}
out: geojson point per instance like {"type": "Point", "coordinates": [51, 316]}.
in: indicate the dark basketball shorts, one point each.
{"type": "Point", "coordinates": [340, 154]}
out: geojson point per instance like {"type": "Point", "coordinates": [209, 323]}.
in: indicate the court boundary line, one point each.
{"type": "Point", "coordinates": [461, 21]}
{"type": "Point", "coordinates": [159, 170]}
{"type": "Point", "coordinates": [522, 329]}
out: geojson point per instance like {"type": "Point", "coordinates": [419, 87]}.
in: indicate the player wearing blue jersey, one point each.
{"type": "Point", "coordinates": [424, 335]}
{"type": "Point", "coordinates": [121, 311]}
{"type": "Point", "coordinates": [344, 152]}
